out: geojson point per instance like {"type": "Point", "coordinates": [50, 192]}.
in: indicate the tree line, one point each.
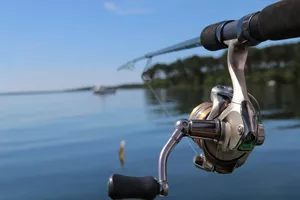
{"type": "Point", "coordinates": [280, 63]}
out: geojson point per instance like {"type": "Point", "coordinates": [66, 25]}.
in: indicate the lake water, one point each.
{"type": "Point", "coordinates": [65, 146]}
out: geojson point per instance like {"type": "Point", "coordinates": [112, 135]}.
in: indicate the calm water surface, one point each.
{"type": "Point", "coordinates": [65, 146]}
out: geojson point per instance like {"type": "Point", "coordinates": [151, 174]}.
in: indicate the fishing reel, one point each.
{"type": "Point", "coordinates": [222, 115]}
{"type": "Point", "coordinates": [227, 128]}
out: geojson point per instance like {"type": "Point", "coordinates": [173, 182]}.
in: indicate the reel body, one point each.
{"type": "Point", "coordinates": [226, 128]}
{"type": "Point", "coordinates": [214, 159]}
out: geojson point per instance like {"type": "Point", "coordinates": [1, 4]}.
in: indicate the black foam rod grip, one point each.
{"type": "Point", "coordinates": [128, 187]}
{"type": "Point", "coordinates": [278, 21]}
{"type": "Point", "coordinates": [209, 38]}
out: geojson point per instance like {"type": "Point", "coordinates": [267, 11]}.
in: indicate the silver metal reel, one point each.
{"type": "Point", "coordinates": [242, 130]}
{"type": "Point", "coordinates": [227, 137]}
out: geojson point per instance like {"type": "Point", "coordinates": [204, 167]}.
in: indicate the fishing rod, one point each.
{"type": "Point", "coordinates": [227, 127]}
{"type": "Point", "coordinates": [275, 22]}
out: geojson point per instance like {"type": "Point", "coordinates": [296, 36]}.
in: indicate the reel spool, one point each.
{"type": "Point", "coordinates": [222, 96]}
{"type": "Point", "coordinates": [201, 112]}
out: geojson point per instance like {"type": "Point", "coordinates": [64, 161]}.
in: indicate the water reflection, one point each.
{"type": "Point", "coordinates": [278, 102]}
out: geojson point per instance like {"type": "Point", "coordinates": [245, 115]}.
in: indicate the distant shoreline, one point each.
{"type": "Point", "coordinates": [45, 91]}
{"type": "Point", "coordinates": [80, 89]}
{"type": "Point", "coordinates": [278, 63]}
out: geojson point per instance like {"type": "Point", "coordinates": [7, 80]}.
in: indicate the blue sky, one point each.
{"type": "Point", "coordinates": [52, 44]}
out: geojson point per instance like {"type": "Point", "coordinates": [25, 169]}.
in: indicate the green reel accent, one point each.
{"type": "Point", "coordinates": [248, 143]}
{"type": "Point", "coordinates": [246, 147]}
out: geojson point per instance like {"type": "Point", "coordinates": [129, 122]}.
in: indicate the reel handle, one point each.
{"type": "Point", "coordinates": [129, 187]}
{"type": "Point", "coordinates": [147, 187]}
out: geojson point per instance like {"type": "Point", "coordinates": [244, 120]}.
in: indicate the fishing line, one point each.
{"type": "Point", "coordinates": [147, 80]}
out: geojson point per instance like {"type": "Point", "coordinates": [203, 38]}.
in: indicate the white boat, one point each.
{"type": "Point", "coordinates": [103, 90]}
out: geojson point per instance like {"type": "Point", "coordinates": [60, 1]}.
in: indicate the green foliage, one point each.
{"type": "Point", "coordinates": [280, 63]}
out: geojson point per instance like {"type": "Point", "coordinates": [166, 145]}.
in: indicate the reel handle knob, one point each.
{"type": "Point", "coordinates": [129, 187]}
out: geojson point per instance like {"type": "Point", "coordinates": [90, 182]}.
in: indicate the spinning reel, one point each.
{"type": "Point", "coordinates": [217, 158]}
{"type": "Point", "coordinates": [227, 129]}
